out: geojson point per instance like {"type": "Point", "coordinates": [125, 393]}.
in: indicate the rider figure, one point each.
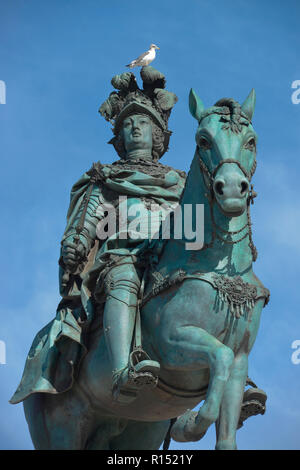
{"type": "Point", "coordinates": [141, 137]}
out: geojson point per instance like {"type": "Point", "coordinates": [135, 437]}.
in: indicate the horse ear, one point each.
{"type": "Point", "coordinates": [195, 104]}
{"type": "Point", "coordinates": [249, 104]}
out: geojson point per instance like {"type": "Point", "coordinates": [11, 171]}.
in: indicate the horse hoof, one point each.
{"type": "Point", "coordinates": [185, 430]}
{"type": "Point", "coordinates": [177, 430]}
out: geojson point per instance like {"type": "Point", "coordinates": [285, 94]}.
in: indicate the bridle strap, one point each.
{"type": "Point", "coordinates": [231, 160]}
{"type": "Point", "coordinates": [212, 175]}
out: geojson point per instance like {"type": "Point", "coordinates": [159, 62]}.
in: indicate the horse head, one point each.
{"type": "Point", "coordinates": [226, 147]}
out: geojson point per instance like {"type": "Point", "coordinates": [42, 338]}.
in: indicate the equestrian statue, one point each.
{"type": "Point", "coordinates": [153, 319]}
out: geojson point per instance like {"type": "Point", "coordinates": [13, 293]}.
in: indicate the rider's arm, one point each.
{"type": "Point", "coordinates": [76, 246]}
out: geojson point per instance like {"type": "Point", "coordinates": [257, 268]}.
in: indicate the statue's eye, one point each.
{"type": "Point", "coordinates": [251, 144]}
{"type": "Point", "coordinates": [204, 143]}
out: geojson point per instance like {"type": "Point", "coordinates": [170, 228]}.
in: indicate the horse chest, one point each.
{"type": "Point", "coordinates": [197, 304]}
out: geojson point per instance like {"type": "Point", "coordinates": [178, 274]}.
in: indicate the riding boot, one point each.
{"type": "Point", "coordinates": [122, 286]}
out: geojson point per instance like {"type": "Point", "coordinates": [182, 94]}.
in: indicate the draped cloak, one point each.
{"type": "Point", "coordinates": [58, 348]}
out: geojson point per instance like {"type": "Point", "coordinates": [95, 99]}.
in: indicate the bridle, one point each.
{"type": "Point", "coordinates": [209, 182]}
{"type": "Point", "coordinates": [211, 175]}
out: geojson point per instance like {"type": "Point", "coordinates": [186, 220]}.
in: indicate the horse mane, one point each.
{"type": "Point", "coordinates": [234, 122]}
{"type": "Point", "coordinates": [231, 114]}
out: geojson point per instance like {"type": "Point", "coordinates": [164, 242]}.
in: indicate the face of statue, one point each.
{"type": "Point", "coordinates": [137, 134]}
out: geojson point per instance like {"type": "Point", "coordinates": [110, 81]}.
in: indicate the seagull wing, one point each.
{"type": "Point", "coordinates": [138, 61]}
{"type": "Point", "coordinates": [142, 56]}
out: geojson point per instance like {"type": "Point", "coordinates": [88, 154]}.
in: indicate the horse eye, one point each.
{"type": "Point", "coordinates": [204, 143]}
{"type": "Point", "coordinates": [251, 144]}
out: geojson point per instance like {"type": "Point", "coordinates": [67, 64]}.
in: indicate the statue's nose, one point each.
{"type": "Point", "coordinates": [233, 185]}
{"type": "Point", "coordinates": [244, 185]}
{"type": "Point", "coordinates": [219, 186]}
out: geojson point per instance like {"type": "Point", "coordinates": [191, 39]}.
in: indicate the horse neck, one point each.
{"type": "Point", "coordinates": [225, 258]}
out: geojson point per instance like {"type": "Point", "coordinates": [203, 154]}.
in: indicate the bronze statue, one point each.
{"type": "Point", "coordinates": [142, 313]}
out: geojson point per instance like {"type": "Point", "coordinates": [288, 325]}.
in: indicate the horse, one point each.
{"type": "Point", "coordinates": [200, 315]}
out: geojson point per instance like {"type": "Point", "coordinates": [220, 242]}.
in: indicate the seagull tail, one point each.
{"type": "Point", "coordinates": [131, 65]}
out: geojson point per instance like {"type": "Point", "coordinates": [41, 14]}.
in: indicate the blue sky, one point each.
{"type": "Point", "coordinates": [57, 59]}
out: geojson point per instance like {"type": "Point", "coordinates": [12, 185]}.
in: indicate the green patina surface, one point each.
{"type": "Point", "coordinates": [201, 309]}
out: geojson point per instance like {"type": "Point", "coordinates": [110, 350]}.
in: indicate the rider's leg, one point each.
{"type": "Point", "coordinates": [122, 285]}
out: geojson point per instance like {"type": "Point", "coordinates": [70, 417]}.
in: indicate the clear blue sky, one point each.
{"type": "Point", "coordinates": [57, 59]}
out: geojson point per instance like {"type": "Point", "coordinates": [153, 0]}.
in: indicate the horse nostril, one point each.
{"type": "Point", "coordinates": [219, 185]}
{"type": "Point", "coordinates": [244, 187]}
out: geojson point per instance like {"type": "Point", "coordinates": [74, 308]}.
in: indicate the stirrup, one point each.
{"type": "Point", "coordinates": [122, 392]}
{"type": "Point", "coordinates": [254, 403]}
{"type": "Point", "coordinates": [143, 371]}
{"type": "Point", "coordinates": [130, 380]}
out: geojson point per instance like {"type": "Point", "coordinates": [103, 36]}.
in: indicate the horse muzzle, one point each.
{"type": "Point", "coordinates": [231, 191]}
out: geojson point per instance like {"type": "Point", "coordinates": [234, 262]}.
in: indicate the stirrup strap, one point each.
{"type": "Point", "coordinates": [138, 354]}
{"type": "Point", "coordinates": [137, 343]}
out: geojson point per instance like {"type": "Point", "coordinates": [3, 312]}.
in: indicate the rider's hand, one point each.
{"type": "Point", "coordinates": [73, 254]}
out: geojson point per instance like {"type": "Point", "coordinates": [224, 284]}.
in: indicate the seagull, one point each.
{"type": "Point", "coordinates": [144, 59]}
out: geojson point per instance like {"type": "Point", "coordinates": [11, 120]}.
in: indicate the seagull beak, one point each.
{"type": "Point", "coordinates": [156, 47]}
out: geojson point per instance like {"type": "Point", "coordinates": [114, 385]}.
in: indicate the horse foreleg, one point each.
{"type": "Point", "coordinates": [200, 349]}
{"type": "Point", "coordinates": [227, 423]}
